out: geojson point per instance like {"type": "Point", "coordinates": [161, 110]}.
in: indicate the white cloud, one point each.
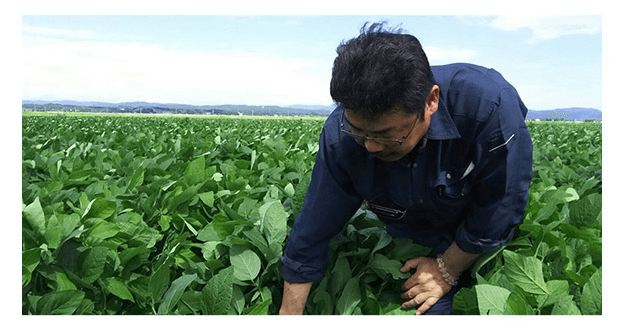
{"type": "Point", "coordinates": [38, 31]}
{"type": "Point", "coordinates": [446, 55]}
{"type": "Point", "coordinates": [125, 72]}
{"type": "Point", "coordinates": [549, 27]}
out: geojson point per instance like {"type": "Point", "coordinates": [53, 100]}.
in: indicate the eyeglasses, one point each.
{"type": "Point", "coordinates": [385, 141]}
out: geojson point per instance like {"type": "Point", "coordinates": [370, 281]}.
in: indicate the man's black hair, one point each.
{"type": "Point", "coordinates": [381, 69]}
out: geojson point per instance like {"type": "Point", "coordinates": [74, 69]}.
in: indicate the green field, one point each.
{"type": "Point", "coordinates": [189, 215]}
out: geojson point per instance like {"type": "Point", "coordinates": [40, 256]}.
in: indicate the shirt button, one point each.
{"type": "Point", "coordinates": [414, 165]}
{"type": "Point", "coordinates": [421, 201]}
{"type": "Point", "coordinates": [448, 176]}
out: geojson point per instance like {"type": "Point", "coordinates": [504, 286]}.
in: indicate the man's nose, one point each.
{"type": "Point", "coordinates": [373, 146]}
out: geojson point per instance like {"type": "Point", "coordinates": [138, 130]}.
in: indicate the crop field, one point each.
{"type": "Point", "coordinates": [190, 215]}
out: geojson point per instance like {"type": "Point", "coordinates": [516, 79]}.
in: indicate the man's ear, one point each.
{"type": "Point", "coordinates": [431, 104]}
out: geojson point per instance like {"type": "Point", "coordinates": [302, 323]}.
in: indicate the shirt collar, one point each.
{"type": "Point", "coordinates": [441, 124]}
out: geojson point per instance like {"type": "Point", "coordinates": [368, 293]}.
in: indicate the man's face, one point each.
{"type": "Point", "coordinates": [394, 124]}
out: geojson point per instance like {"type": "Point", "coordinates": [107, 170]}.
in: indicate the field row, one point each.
{"type": "Point", "coordinates": [187, 215]}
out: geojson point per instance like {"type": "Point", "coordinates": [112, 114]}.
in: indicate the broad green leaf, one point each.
{"type": "Point", "coordinates": [465, 302]}
{"type": "Point", "coordinates": [491, 299]}
{"type": "Point", "coordinates": [247, 207]}
{"type": "Point", "coordinates": [93, 263]}
{"type": "Point", "coordinates": [591, 297]}
{"type": "Point", "coordinates": [195, 171]}
{"type": "Point", "coordinates": [350, 297]}
{"type": "Point", "coordinates": [100, 208]}
{"type": "Point", "coordinates": [289, 190]}
{"type": "Point", "coordinates": [218, 293]}
{"type": "Point", "coordinates": [525, 272]}
{"type": "Point", "coordinates": [571, 195]}
{"type": "Point", "coordinates": [207, 198]}
{"type": "Point", "coordinates": [339, 275]}
{"type": "Point", "coordinates": [383, 265]}
{"type": "Point", "coordinates": [274, 220]}
{"type": "Point", "coordinates": [517, 305]}
{"type": "Point", "coordinates": [31, 258]}
{"type": "Point", "coordinates": [585, 212]}
{"type": "Point", "coordinates": [261, 308]}
{"type": "Point", "coordinates": [119, 289]}
{"type": "Point", "coordinates": [398, 310]}
{"type": "Point", "coordinates": [565, 305]}
{"type": "Point", "coordinates": [60, 302]}
{"type": "Point", "coordinates": [63, 282]}
{"type": "Point", "coordinates": [102, 230]}
{"type": "Point", "coordinates": [137, 178]}
{"type": "Point", "coordinates": [174, 293]}
{"type": "Point", "coordinates": [322, 303]}
{"type": "Point", "coordinates": [53, 232]}
{"type": "Point", "coordinates": [245, 262]}
{"type": "Point", "coordinates": [556, 288]}
{"type": "Point", "coordinates": [35, 217]}
{"type": "Point", "coordinates": [159, 282]}
{"type": "Point", "coordinates": [238, 299]}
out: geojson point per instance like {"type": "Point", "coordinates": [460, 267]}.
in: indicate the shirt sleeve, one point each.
{"type": "Point", "coordinates": [329, 202]}
{"type": "Point", "coordinates": [501, 178]}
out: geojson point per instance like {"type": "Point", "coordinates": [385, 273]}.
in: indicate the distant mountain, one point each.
{"type": "Point", "coordinates": [566, 114]}
{"type": "Point", "coordinates": [313, 107]}
{"type": "Point", "coordinates": [170, 108]}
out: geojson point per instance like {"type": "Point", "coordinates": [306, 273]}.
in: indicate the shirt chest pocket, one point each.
{"type": "Point", "coordinates": [450, 190]}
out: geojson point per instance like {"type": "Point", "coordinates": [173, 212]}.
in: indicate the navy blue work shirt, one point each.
{"type": "Point", "coordinates": [466, 181]}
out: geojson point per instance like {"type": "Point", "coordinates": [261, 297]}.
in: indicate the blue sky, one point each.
{"type": "Point", "coordinates": [553, 61]}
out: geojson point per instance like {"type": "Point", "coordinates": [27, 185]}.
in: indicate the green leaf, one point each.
{"type": "Point", "coordinates": [93, 263]}
{"type": "Point", "coordinates": [53, 232]}
{"type": "Point", "coordinates": [517, 305]}
{"type": "Point", "coordinates": [119, 289]}
{"type": "Point", "coordinates": [63, 282]}
{"type": "Point", "coordinates": [261, 308]}
{"type": "Point", "coordinates": [245, 262]}
{"type": "Point", "coordinates": [398, 310]}
{"type": "Point", "coordinates": [159, 282]}
{"type": "Point", "coordinates": [100, 208]}
{"type": "Point", "coordinates": [591, 297]}
{"type": "Point", "coordinates": [274, 220]}
{"type": "Point", "coordinates": [491, 299]}
{"type": "Point", "coordinates": [137, 178]}
{"type": "Point", "coordinates": [207, 198]}
{"type": "Point", "coordinates": [289, 190]}
{"type": "Point", "coordinates": [465, 302]}
{"type": "Point", "coordinates": [102, 230]}
{"type": "Point", "coordinates": [195, 171]}
{"type": "Point", "coordinates": [35, 217]}
{"type": "Point", "coordinates": [339, 275]}
{"type": "Point", "coordinates": [30, 261]}
{"type": "Point", "coordinates": [218, 293]}
{"type": "Point", "coordinates": [322, 303]}
{"type": "Point", "coordinates": [383, 265]}
{"type": "Point", "coordinates": [60, 302]}
{"type": "Point", "coordinates": [174, 293]}
{"type": "Point", "coordinates": [565, 305]}
{"type": "Point", "coordinates": [585, 212]}
{"type": "Point", "coordinates": [350, 297]}
{"type": "Point", "coordinates": [525, 272]}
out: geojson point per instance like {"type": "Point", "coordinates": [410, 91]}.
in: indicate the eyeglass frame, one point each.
{"type": "Point", "coordinates": [384, 141]}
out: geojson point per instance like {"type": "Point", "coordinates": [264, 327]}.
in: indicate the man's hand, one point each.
{"type": "Point", "coordinates": [425, 287]}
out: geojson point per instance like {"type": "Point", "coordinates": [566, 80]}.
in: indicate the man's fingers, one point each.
{"type": "Point", "coordinates": [426, 305]}
{"type": "Point", "coordinates": [411, 264]}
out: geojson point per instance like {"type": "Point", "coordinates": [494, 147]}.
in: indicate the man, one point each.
{"type": "Point", "coordinates": [442, 155]}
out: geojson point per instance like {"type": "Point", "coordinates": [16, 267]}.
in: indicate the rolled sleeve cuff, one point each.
{"type": "Point", "coordinates": [473, 244]}
{"type": "Point", "coordinates": [297, 272]}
